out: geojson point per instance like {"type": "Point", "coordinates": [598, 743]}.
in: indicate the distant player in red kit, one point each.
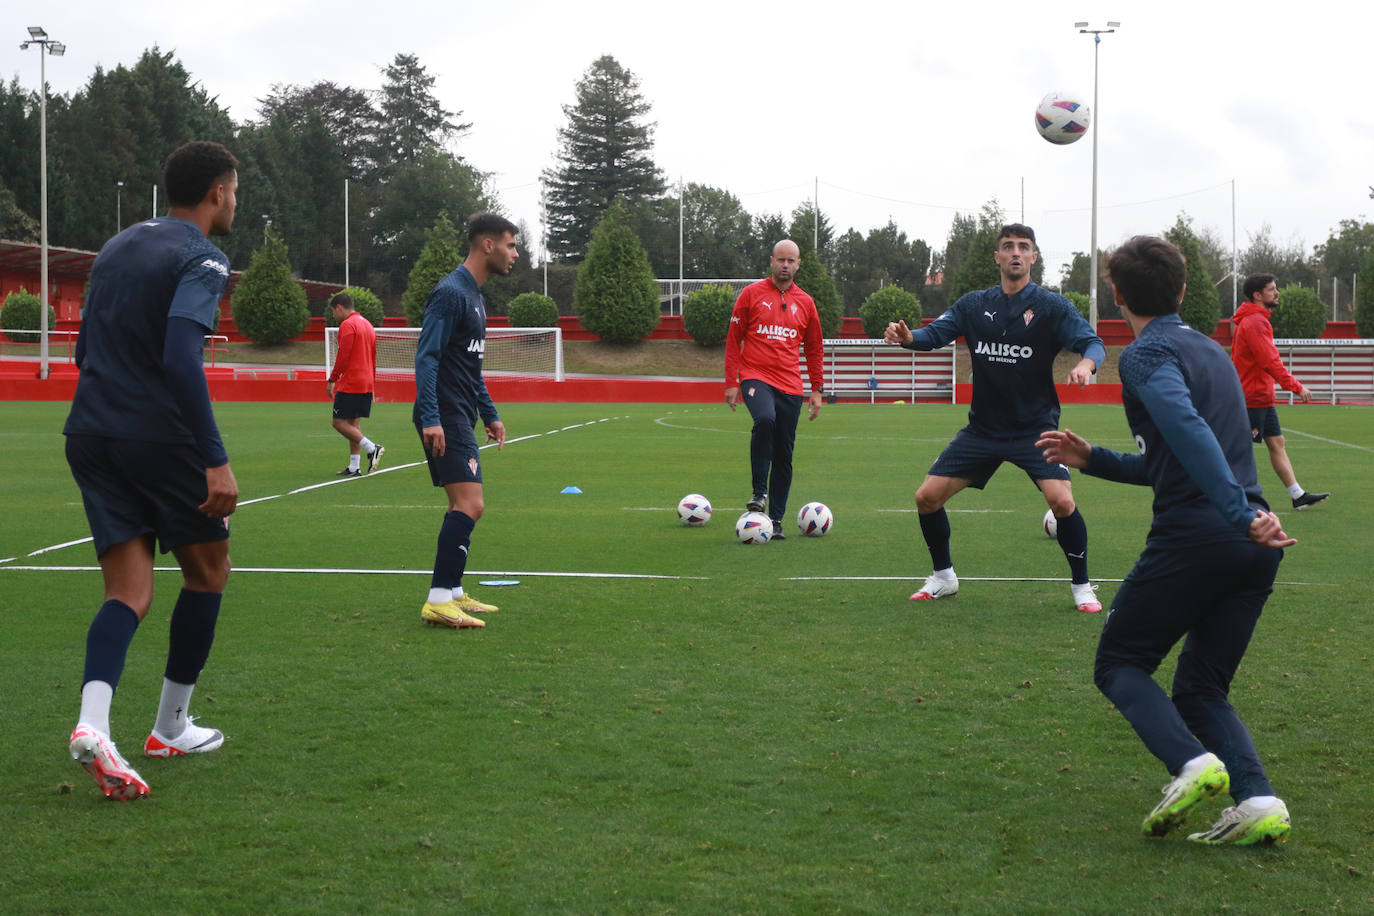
{"type": "Point", "coordinates": [773, 322]}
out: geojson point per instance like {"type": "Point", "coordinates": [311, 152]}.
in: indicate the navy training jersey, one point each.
{"type": "Point", "coordinates": [1013, 341]}
{"type": "Point", "coordinates": [448, 357]}
{"type": "Point", "coordinates": [1172, 377]}
{"type": "Point", "coordinates": [155, 270]}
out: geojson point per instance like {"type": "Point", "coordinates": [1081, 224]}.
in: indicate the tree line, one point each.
{"type": "Point", "coordinates": [399, 149]}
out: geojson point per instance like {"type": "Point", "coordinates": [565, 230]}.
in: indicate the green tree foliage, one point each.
{"type": "Point", "coordinates": [978, 270]}
{"type": "Point", "coordinates": [1286, 261]}
{"type": "Point", "coordinates": [616, 296]}
{"type": "Point", "coordinates": [410, 120]}
{"type": "Point", "coordinates": [889, 304]}
{"type": "Point", "coordinates": [809, 228]}
{"type": "Point", "coordinates": [813, 277]}
{"type": "Point", "coordinates": [22, 311]}
{"type": "Point", "coordinates": [1082, 303]}
{"type": "Point", "coordinates": [15, 224]}
{"type": "Point", "coordinates": [706, 313]}
{"type": "Point", "coordinates": [346, 113]}
{"type": "Point", "coordinates": [440, 256]}
{"type": "Point", "coordinates": [1200, 308]}
{"type": "Point", "coordinates": [365, 303]}
{"type": "Point", "coordinates": [1364, 297]}
{"type": "Point", "coordinates": [533, 310]}
{"type": "Point", "coordinates": [715, 235]}
{"type": "Point", "coordinates": [1299, 314]}
{"type": "Point", "coordinates": [269, 305]}
{"type": "Point", "coordinates": [862, 265]}
{"type": "Point", "coordinates": [604, 153]}
{"type": "Point", "coordinates": [767, 230]}
{"type": "Point", "coordinates": [1342, 255]}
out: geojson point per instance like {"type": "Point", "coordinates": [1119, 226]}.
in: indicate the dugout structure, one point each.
{"type": "Point", "coordinates": [1335, 371]}
{"type": "Point", "coordinates": [871, 370]}
{"type": "Point", "coordinates": [534, 353]}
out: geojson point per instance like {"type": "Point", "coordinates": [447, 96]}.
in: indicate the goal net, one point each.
{"type": "Point", "coordinates": [510, 352]}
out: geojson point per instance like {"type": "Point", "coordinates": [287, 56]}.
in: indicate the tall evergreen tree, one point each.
{"type": "Point", "coordinates": [616, 297]}
{"type": "Point", "coordinates": [809, 229]}
{"type": "Point", "coordinates": [1200, 308]}
{"type": "Point", "coordinates": [410, 120]}
{"type": "Point", "coordinates": [813, 277]}
{"type": "Point", "coordinates": [269, 306]}
{"type": "Point", "coordinates": [440, 257]}
{"type": "Point", "coordinates": [604, 153]}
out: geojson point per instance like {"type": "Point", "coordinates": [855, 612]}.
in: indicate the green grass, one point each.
{"type": "Point", "coordinates": [743, 738]}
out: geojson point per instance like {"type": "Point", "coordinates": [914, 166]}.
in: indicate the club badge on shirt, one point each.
{"type": "Point", "coordinates": [1029, 314]}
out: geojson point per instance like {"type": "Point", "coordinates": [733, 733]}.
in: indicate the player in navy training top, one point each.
{"type": "Point", "coordinates": [1014, 331]}
{"type": "Point", "coordinates": [146, 453]}
{"type": "Point", "coordinates": [450, 397]}
{"type": "Point", "coordinates": [1209, 561]}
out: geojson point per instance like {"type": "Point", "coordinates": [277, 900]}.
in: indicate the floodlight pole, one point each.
{"type": "Point", "coordinates": [46, 46]}
{"type": "Point", "coordinates": [1097, 129]}
{"type": "Point", "coordinates": [119, 206]}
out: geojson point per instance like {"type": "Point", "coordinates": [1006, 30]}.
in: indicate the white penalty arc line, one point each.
{"type": "Point", "coordinates": [330, 483]}
{"type": "Point", "coordinates": [1360, 448]}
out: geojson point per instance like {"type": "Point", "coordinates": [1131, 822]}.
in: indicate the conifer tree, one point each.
{"type": "Point", "coordinates": [269, 305]}
{"type": "Point", "coordinates": [616, 297]}
{"type": "Point", "coordinates": [440, 257]}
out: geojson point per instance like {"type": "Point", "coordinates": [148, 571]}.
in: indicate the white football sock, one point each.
{"type": "Point", "coordinates": [95, 705]}
{"type": "Point", "coordinates": [354, 461]}
{"type": "Point", "coordinates": [171, 709]}
{"type": "Point", "coordinates": [1296, 490]}
{"type": "Point", "coordinates": [946, 573]}
{"type": "Point", "coordinates": [440, 595]}
{"type": "Point", "coordinates": [367, 445]}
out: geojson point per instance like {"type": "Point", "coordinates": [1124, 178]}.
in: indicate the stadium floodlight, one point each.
{"type": "Point", "coordinates": [1097, 34]}
{"type": "Point", "coordinates": [46, 47]}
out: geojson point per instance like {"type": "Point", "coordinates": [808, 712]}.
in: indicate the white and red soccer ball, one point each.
{"type": "Point", "coordinates": [815, 519]}
{"type": "Point", "coordinates": [694, 510]}
{"type": "Point", "coordinates": [1051, 524]}
{"type": "Point", "coordinates": [1062, 117]}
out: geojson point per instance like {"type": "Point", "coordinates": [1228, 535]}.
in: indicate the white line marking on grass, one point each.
{"type": "Point", "coordinates": [1361, 448]}
{"type": "Point", "coordinates": [965, 511]}
{"type": "Point", "coordinates": [330, 483]}
{"type": "Point", "coordinates": [991, 579]}
{"type": "Point", "coordinates": [645, 509]}
{"type": "Point", "coordinates": [505, 573]}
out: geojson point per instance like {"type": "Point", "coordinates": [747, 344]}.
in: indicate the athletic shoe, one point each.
{"type": "Point", "coordinates": [349, 472]}
{"type": "Point", "coordinates": [194, 740]}
{"type": "Point", "coordinates": [1307, 500]}
{"type": "Point", "coordinates": [97, 754]}
{"type": "Point", "coordinates": [1250, 822]}
{"type": "Point", "coordinates": [374, 458]}
{"type": "Point", "coordinates": [473, 606]}
{"type": "Point", "coordinates": [1083, 597]}
{"type": "Point", "coordinates": [937, 587]}
{"type": "Point", "coordinates": [1202, 777]}
{"type": "Point", "coordinates": [448, 614]}
{"type": "Point", "coordinates": [777, 531]}
{"type": "Point", "coordinates": [757, 503]}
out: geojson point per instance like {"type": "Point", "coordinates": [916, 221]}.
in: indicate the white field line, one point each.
{"type": "Point", "coordinates": [991, 579]}
{"type": "Point", "coordinates": [503, 573]}
{"type": "Point", "coordinates": [330, 483]}
{"type": "Point", "coordinates": [1299, 432]}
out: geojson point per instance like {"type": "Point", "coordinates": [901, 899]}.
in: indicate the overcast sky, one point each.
{"type": "Point", "coordinates": [901, 110]}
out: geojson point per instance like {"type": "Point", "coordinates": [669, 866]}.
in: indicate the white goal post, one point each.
{"type": "Point", "coordinates": [510, 352]}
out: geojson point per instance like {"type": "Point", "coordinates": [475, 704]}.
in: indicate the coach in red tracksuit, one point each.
{"type": "Point", "coordinates": [1258, 364]}
{"type": "Point", "coordinates": [351, 382]}
{"type": "Point", "coordinates": [773, 322]}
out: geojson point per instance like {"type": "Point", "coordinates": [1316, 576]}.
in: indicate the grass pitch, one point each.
{"type": "Point", "coordinates": [710, 728]}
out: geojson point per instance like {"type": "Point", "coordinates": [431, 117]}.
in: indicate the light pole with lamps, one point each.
{"type": "Point", "coordinates": [1097, 129]}
{"type": "Point", "coordinates": [46, 46]}
{"type": "Point", "coordinates": [119, 206]}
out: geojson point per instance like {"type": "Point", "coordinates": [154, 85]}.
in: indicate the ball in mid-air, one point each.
{"type": "Point", "coordinates": [754, 528]}
{"type": "Point", "coordinates": [1062, 117]}
{"type": "Point", "coordinates": [815, 519]}
{"type": "Point", "coordinates": [1051, 524]}
{"type": "Point", "coordinates": [694, 510]}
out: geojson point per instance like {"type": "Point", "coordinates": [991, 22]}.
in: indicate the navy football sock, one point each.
{"type": "Point", "coordinates": [107, 642]}
{"type": "Point", "coordinates": [451, 557]}
{"type": "Point", "coordinates": [192, 634]}
{"type": "Point", "coordinates": [935, 529]}
{"type": "Point", "coordinates": [1073, 540]}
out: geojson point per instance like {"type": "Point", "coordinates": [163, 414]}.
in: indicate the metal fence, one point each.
{"type": "Point", "coordinates": [671, 293]}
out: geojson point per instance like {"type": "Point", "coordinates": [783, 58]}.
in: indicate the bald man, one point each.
{"type": "Point", "coordinates": [773, 322]}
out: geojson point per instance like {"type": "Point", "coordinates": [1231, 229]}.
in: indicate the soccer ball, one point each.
{"type": "Point", "coordinates": [814, 519]}
{"type": "Point", "coordinates": [694, 510]}
{"type": "Point", "coordinates": [1062, 117]}
{"type": "Point", "coordinates": [754, 528]}
{"type": "Point", "coordinates": [1051, 524]}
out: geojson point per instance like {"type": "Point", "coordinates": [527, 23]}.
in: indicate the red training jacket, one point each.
{"type": "Point", "coordinates": [1256, 358]}
{"type": "Point", "coordinates": [769, 329]}
{"type": "Point", "coordinates": [355, 366]}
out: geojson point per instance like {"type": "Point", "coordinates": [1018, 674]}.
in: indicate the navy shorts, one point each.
{"type": "Point", "coordinates": [349, 405]}
{"type": "Point", "coordinates": [132, 488]}
{"type": "Point", "coordinates": [459, 463]}
{"type": "Point", "coordinates": [975, 457]}
{"type": "Point", "coordinates": [1264, 423]}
